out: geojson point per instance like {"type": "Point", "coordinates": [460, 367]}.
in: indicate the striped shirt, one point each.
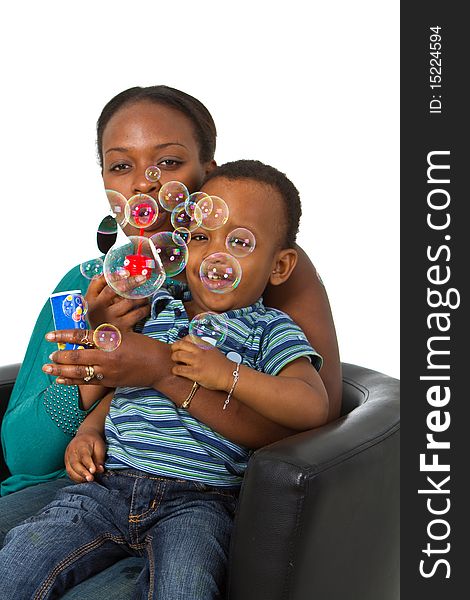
{"type": "Point", "coordinates": [147, 431]}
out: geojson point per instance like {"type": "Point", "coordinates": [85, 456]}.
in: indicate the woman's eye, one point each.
{"type": "Point", "coordinates": [199, 237]}
{"type": "Point", "coordinates": [119, 167]}
{"type": "Point", "coordinates": [170, 163]}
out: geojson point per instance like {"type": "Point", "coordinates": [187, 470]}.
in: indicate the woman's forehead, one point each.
{"type": "Point", "coordinates": [145, 121]}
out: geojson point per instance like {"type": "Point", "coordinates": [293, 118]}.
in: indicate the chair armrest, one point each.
{"type": "Point", "coordinates": [316, 507]}
{"type": "Point", "coordinates": [8, 375]}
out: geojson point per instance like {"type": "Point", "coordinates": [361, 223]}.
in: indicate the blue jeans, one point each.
{"type": "Point", "coordinates": [18, 506]}
{"type": "Point", "coordinates": [180, 528]}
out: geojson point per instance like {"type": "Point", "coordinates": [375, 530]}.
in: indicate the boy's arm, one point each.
{"type": "Point", "coordinates": [85, 454]}
{"type": "Point", "coordinates": [89, 394]}
{"type": "Point", "coordinates": [296, 398]}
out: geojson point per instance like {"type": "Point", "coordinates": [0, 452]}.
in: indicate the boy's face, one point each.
{"type": "Point", "coordinates": [254, 206]}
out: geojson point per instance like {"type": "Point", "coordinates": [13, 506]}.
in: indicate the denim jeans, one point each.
{"type": "Point", "coordinates": [18, 506]}
{"type": "Point", "coordinates": [180, 528]}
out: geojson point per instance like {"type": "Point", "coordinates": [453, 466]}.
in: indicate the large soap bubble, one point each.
{"type": "Point", "coordinates": [208, 329]}
{"type": "Point", "coordinates": [181, 218]}
{"type": "Point", "coordinates": [171, 194]}
{"type": "Point", "coordinates": [141, 210]}
{"type": "Point", "coordinates": [137, 257]}
{"type": "Point", "coordinates": [220, 272]}
{"type": "Point", "coordinates": [92, 268]}
{"type": "Point", "coordinates": [172, 250]}
{"type": "Point", "coordinates": [215, 212]}
{"type": "Point", "coordinates": [117, 203]}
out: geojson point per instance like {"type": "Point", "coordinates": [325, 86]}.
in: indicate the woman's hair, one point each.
{"type": "Point", "coordinates": [255, 170]}
{"type": "Point", "coordinates": [197, 113]}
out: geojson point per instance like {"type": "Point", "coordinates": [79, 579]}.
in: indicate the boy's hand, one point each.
{"type": "Point", "coordinates": [84, 456]}
{"type": "Point", "coordinates": [105, 306]}
{"type": "Point", "coordinates": [210, 368]}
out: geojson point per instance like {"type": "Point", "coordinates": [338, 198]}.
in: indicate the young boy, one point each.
{"type": "Point", "coordinates": [171, 483]}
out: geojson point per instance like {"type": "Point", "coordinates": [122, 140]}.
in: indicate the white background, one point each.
{"type": "Point", "coordinates": [309, 87]}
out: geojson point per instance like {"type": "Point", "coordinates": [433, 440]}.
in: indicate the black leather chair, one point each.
{"type": "Point", "coordinates": [318, 517]}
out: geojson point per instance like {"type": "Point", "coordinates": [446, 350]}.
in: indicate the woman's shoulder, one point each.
{"type": "Point", "coordinates": [72, 280]}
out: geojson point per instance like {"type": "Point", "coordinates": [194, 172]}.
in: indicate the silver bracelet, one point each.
{"type": "Point", "coordinates": [236, 375]}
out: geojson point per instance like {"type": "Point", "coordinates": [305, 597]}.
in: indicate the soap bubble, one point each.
{"type": "Point", "coordinates": [137, 257]}
{"type": "Point", "coordinates": [107, 337]}
{"type": "Point", "coordinates": [172, 250]}
{"type": "Point", "coordinates": [152, 173]}
{"type": "Point", "coordinates": [92, 268]}
{"type": "Point", "coordinates": [240, 242]}
{"type": "Point", "coordinates": [192, 203]}
{"type": "Point", "coordinates": [117, 203]}
{"type": "Point", "coordinates": [76, 307]}
{"type": "Point", "coordinates": [141, 210]}
{"type": "Point", "coordinates": [181, 218]}
{"type": "Point", "coordinates": [215, 212]}
{"type": "Point", "coordinates": [181, 233]}
{"type": "Point", "coordinates": [208, 329]}
{"type": "Point", "coordinates": [171, 194]}
{"type": "Point", "coordinates": [220, 272]}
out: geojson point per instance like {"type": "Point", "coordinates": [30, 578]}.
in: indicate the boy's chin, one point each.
{"type": "Point", "coordinates": [212, 301]}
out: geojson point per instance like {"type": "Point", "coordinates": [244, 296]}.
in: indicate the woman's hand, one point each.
{"type": "Point", "coordinates": [138, 362]}
{"type": "Point", "coordinates": [84, 456]}
{"type": "Point", "coordinates": [105, 306]}
{"type": "Point", "coordinates": [209, 367]}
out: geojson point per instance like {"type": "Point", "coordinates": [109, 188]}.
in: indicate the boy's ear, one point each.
{"type": "Point", "coordinates": [283, 266]}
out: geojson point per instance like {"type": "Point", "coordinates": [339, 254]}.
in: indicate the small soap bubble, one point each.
{"type": "Point", "coordinates": [240, 242]}
{"type": "Point", "coordinates": [107, 337]}
{"type": "Point", "coordinates": [117, 203]}
{"type": "Point", "coordinates": [137, 258]}
{"type": "Point", "coordinates": [181, 233]}
{"type": "Point", "coordinates": [208, 329]}
{"type": "Point", "coordinates": [172, 250]}
{"type": "Point", "coordinates": [152, 173]}
{"type": "Point", "coordinates": [92, 268]}
{"type": "Point", "coordinates": [214, 213]}
{"type": "Point", "coordinates": [181, 218]}
{"type": "Point", "coordinates": [171, 194]}
{"type": "Point", "coordinates": [141, 210]}
{"type": "Point", "coordinates": [220, 272]}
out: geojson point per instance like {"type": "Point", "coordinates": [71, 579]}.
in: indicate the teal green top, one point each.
{"type": "Point", "coordinates": [41, 417]}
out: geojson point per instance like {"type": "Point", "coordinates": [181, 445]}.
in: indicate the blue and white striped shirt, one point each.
{"type": "Point", "coordinates": [147, 431]}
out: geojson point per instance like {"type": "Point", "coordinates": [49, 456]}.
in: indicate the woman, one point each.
{"type": "Point", "coordinates": [138, 128]}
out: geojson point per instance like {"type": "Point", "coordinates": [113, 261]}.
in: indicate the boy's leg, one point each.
{"type": "Point", "coordinates": [187, 550]}
{"type": "Point", "coordinates": [75, 536]}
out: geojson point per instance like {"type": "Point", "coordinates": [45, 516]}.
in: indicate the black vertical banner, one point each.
{"type": "Point", "coordinates": [435, 164]}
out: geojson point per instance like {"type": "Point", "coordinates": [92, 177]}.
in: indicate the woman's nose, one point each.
{"type": "Point", "coordinates": [141, 185]}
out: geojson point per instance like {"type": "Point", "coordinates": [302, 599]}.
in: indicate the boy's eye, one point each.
{"type": "Point", "coordinates": [239, 242]}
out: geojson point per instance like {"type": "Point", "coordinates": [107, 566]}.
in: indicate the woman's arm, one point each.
{"type": "Point", "coordinates": [141, 361]}
{"type": "Point", "coordinates": [303, 297]}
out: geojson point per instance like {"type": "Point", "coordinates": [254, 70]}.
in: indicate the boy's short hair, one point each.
{"type": "Point", "coordinates": [257, 171]}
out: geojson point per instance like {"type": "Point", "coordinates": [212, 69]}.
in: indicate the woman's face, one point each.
{"type": "Point", "coordinates": [144, 134]}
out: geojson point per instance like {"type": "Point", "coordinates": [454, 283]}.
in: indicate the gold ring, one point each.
{"type": "Point", "coordinates": [90, 373]}
{"type": "Point", "coordinates": [85, 341]}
